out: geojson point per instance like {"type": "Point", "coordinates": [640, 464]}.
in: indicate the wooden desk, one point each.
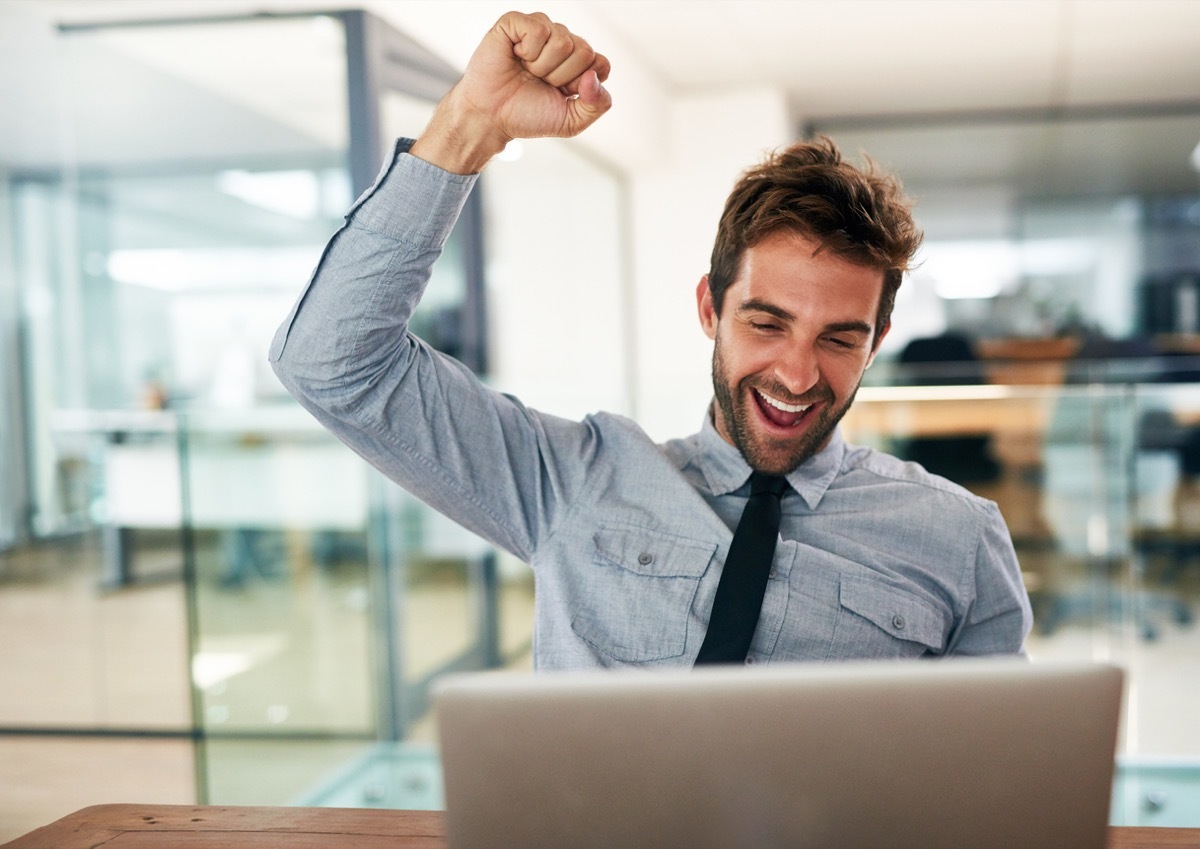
{"type": "Point", "coordinates": [908, 411]}
{"type": "Point", "coordinates": [172, 826]}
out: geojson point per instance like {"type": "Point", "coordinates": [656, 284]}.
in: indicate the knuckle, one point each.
{"type": "Point", "coordinates": [561, 39]}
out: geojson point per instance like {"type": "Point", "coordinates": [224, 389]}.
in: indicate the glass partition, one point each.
{"type": "Point", "coordinates": [1096, 479]}
{"type": "Point", "coordinates": [292, 591]}
{"type": "Point", "coordinates": [297, 549]}
{"type": "Point", "coordinates": [1041, 225]}
{"type": "Point", "coordinates": [198, 187]}
{"type": "Point", "coordinates": [302, 604]}
{"type": "Point", "coordinates": [1043, 355]}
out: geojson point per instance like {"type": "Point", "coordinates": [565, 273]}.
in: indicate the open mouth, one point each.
{"type": "Point", "coordinates": [780, 413]}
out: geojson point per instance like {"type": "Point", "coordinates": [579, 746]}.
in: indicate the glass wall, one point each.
{"type": "Point", "coordinates": [1096, 478]}
{"type": "Point", "coordinates": [205, 562]}
{"type": "Point", "coordinates": [1043, 354]}
{"type": "Point", "coordinates": [1040, 226]}
{"type": "Point", "coordinates": [153, 263]}
{"type": "Point", "coordinates": [186, 516]}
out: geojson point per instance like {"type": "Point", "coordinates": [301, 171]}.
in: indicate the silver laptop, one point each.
{"type": "Point", "coordinates": [963, 754]}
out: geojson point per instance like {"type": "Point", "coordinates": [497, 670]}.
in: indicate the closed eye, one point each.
{"type": "Point", "coordinates": [763, 317]}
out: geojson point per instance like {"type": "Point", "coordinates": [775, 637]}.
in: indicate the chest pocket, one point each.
{"type": "Point", "coordinates": [634, 604]}
{"type": "Point", "coordinates": [881, 620]}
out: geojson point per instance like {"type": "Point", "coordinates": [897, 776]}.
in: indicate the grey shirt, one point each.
{"type": "Point", "coordinates": [877, 558]}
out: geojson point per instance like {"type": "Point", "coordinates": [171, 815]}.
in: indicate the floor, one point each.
{"type": "Point", "coordinates": [95, 702]}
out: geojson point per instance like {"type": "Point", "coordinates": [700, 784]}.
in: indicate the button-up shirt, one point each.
{"type": "Point", "coordinates": [627, 537]}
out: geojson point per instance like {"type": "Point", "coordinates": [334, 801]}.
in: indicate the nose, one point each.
{"type": "Point", "coordinates": [797, 369]}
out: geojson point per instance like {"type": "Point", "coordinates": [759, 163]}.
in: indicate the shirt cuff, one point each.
{"type": "Point", "coordinates": [412, 200]}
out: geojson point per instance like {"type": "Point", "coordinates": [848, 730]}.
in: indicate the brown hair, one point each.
{"type": "Point", "coordinates": [861, 215]}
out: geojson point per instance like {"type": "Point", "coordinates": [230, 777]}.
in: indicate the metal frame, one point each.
{"type": "Point", "coordinates": [14, 477]}
{"type": "Point", "coordinates": [378, 59]}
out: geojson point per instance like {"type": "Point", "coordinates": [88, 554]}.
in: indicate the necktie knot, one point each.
{"type": "Point", "coordinates": [762, 483]}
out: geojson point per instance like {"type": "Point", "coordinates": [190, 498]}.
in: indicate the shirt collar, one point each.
{"type": "Point", "coordinates": [726, 470]}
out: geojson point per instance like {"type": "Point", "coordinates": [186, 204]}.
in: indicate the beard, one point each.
{"type": "Point", "coordinates": [770, 454]}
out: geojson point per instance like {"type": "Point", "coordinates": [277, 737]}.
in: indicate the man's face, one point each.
{"type": "Point", "coordinates": [795, 333]}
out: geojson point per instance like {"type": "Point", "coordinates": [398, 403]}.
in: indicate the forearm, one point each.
{"type": "Point", "coordinates": [345, 351]}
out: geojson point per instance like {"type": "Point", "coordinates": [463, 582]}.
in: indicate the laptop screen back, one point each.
{"type": "Point", "coordinates": [970, 753]}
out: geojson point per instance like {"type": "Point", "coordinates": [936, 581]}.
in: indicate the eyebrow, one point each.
{"type": "Point", "coordinates": [756, 305]}
{"type": "Point", "coordinates": [850, 327]}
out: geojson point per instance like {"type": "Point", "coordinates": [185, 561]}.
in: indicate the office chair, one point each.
{"type": "Point", "coordinates": [946, 360]}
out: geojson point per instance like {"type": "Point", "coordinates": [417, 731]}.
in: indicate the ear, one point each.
{"type": "Point", "coordinates": [878, 341]}
{"type": "Point", "coordinates": [704, 306]}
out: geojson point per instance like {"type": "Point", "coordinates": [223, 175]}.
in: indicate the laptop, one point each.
{"type": "Point", "coordinates": [957, 754]}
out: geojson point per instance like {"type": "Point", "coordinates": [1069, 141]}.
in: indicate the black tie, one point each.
{"type": "Point", "coordinates": [744, 578]}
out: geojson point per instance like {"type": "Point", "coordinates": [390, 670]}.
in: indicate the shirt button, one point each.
{"type": "Point", "coordinates": [645, 558]}
{"type": "Point", "coordinates": [898, 622]}
{"type": "Point", "coordinates": [772, 575]}
{"type": "Point", "coordinates": [750, 660]}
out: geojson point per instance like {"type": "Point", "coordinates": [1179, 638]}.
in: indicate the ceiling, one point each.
{"type": "Point", "coordinates": [877, 57]}
{"type": "Point", "coordinates": [836, 57]}
{"type": "Point", "coordinates": [963, 87]}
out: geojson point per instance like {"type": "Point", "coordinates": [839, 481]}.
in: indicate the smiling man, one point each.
{"type": "Point", "coordinates": [792, 349]}
{"type": "Point", "coordinates": [632, 543]}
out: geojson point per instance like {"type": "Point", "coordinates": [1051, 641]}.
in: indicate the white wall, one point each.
{"type": "Point", "coordinates": [28, 47]}
{"type": "Point", "coordinates": [557, 302]}
{"type": "Point", "coordinates": [712, 138]}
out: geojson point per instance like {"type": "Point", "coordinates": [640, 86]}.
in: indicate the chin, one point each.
{"type": "Point", "coordinates": [776, 455]}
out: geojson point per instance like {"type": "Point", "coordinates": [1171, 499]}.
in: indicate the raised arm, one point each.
{"type": "Point", "coordinates": [529, 78]}
{"type": "Point", "coordinates": [345, 351]}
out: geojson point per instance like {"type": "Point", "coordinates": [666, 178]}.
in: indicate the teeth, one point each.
{"type": "Point", "coordinates": [779, 405]}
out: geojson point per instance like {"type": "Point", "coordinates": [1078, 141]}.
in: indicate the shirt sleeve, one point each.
{"type": "Point", "coordinates": [1000, 617]}
{"type": "Point", "coordinates": [420, 417]}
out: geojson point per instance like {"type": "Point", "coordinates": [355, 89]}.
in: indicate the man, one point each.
{"type": "Point", "coordinates": [874, 558]}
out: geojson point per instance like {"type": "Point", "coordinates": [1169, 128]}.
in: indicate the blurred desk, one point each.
{"type": "Point", "coordinates": [224, 470]}
{"type": "Point", "coordinates": [184, 827]}
{"type": "Point", "coordinates": [1018, 421]}
{"type": "Point", "coordinates": [273, 467]}
{"type": "Point", "coordinates": [911, 411]}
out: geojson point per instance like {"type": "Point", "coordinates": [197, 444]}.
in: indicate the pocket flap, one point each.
{"type": "Point", "coordinates": [653, 553]}
{"type": "Point", "coordinates": [900, 613]}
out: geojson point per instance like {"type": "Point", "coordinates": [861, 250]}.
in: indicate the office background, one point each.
{"type": "Point", "coordinates": [203, 598]}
